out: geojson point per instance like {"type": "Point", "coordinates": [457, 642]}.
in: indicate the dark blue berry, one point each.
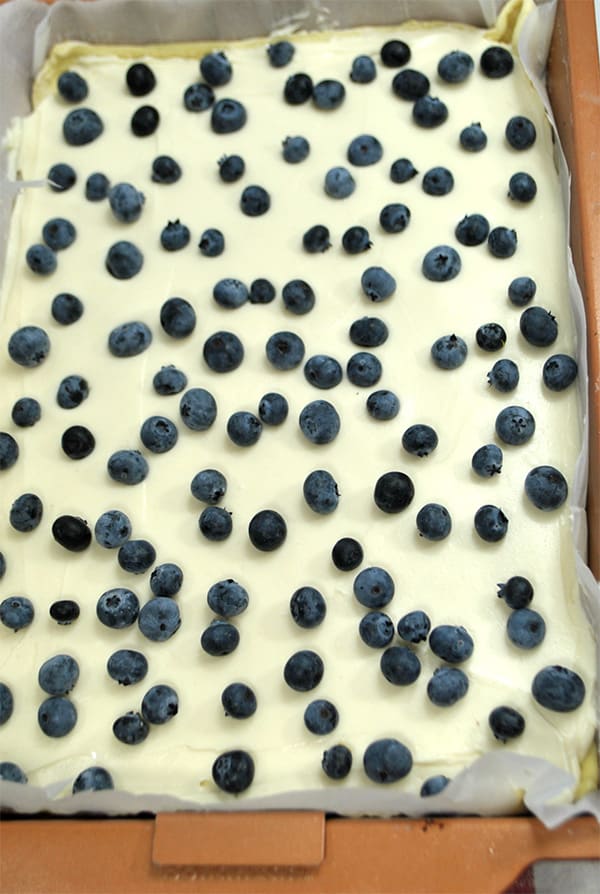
{"type": "Point", "coordinates": [198, 409]}
{"type": "Point", "coordinates": [160, 704]}
{"type": "Point", "coordinates": [521, 290]}
{"type": "Point", "coordinates": [364, 369]}
{"type": "Point", "coordinates": [16, 612]}
{"type": "Point", "coordinates": [233, 771]}
{"type": "Point", "coordinates": [298, 297]}
{"type": "Point", "coordinates": [124, 260]}
{"type": "Point", "coordinates": [118, 608]}
{"type": "Point", "coordinates": [368, 332]}
{"type": "Point", "coordinates": [447, 686]}
{"type": "Point", "coordinates": [144, 121]}
{"type": "Point", "coordinates": [490, 337]}
{"type": "Point", "coordinates": [97, 186]}
{"type": "Point", "coordinates": [386, 761]}
{"type": "Point", "coordinates": [255, 201]}
{"type": "Point", "coordinates": [517, 592]}
{"type": "Point", "coordinates": [239, 701]}
{"type": "Point", "coordinates": [394, 218]}
{"type": "Point", "coordinates": [64, 611]}
{"type": "Point", "coordinates": [26, 512]}
{"type": "Point", "coordinates": [2, 565]}
{"type": "Point", "coordinates": [71, 533]}
{"type": "Point", "coordinates": [383, 405]}
{"type": "Point", "coordinates": [82, 126]}
{"type": "Point", "coordinates": [6, 703]}
{"type": "Point", "coordinates": [339, 183]}
{"type": "Point", "coordinates": [212, 244]}
{"type": "Point", "coordinates": [131, 728]}
{"type": "Point", "coordinates": [9, 451]}
{"type": "Point", "coordinates": [308, 607]}
{"type": "Point", "coordinates": [559, 372]}
{"type": "Point", "coordinates": [223, 352]}
{"type": "Point", "coordinates": [419, 439]}
{"type": "Point", "coordinates": [520, 132]}
{"type": "Point", "coordinates": [434, 785]}
{"type": "Point", "coordinates": [280, 53]}
{"type": "Point", "coordinates": [402, 170]}
{"type": "Point", "coordinates": [347, 554]}
{"type": "Point", "coordinates": [72, 391]}
{"type": "Point", "coordinates": [491, 523]}
{"type": "Point", "coordinates": [215, 523]}
{"type": "Point", "coordinates": [504, 375]}
{"type": "Point", "coordinates": [285, 350]}
{"type": "Point", "coordinates": [337, 762]}
{"type": "Point", "coordinates": [216, 68]}
{"type": "Point", "coordinates": [441, 264]}
{"type": "Point", "coordinates": [538, 327]}
{"type": "Point", "coordinates": [323, 371]}
{"type": "Point", "coordinates": [328, 94]}
{"type": "Point", "coordinates": [316, 239]}
{"type": "Point", "coordinates": [522, 187]}
{"type": "Point", "coordinates": [159, 619]}
{"type": "Point", "coordinates": [61, 176]}
{"type": "Point", "coordinates": [41, 259]}
{"type": "Point", "coordinates": [58, 233]}
{"type": "Point", "coordinates": [363, 70]}
{"type": "Point", "coordinates": [298, 89]}
{"type": "Point", "coordinates": [429, 112]}
{"type": "Point", "coordinates": [209, 486]}
{"type": "Point", "coordinates": [127, 666]}
{"type": "Point", "coordinates": [92, 779]}
{"type": "Point", "coordinates": [455, 67]}
{"type": "Point", "coordinates": [112, 529]}
{"type": "Point", "coordinates": [558, 688]}
{"type": "Point", "coordinates": [58, 675]}
{"type": "Point", "coordinates": [267, 530]}
{"type": "Point", "coordinates": [166, 579]}
{"type": "Point", "coordinates": [487, 461]}
{"type": "Point", "coordinates": [496, 62]}
{"type": "Point", "coordinates": [220, 638]}
{"type": "Point", "coordinates": [393, 492]}
{"type": "Point", "coordinates": [502, 242]}
{"type": "Point", "coordinates": [438, 181]}
{"type": "Point", "coordinates": [395, 53]}
{"type": "Point", "coordinates": [303, 671]}
{"type": "Point", "coordinates": [11, 772]}
{"type": "Point", "coordinates": [244, 428]}
{"type": "Point", "coordinates": [126, 202]}
{"type": "Point", "coordinates": [515, 425]}
{"type": "Point", "coordinates": [546, 487]}
{"type": "Point", "coordinates": [321, 492]}
{"type": "Point", "coordinates": [400, 666]}
{"type": "Point", "coordinates": [262, 291]}
{"type": "Point", "coordinates": [506, 723]}
{"type": "Point", "coordinates": [377, 283]}
{"type": "Point", "coordinates": [373, 587]}
{"type": "Point", "coordinates": [356, 240]}
{"type": "Point", "coordinates": [473, 138]}
{"type": "Point", "coordinates": [140, 79]}
{"type": "Point", "coordinates": [319, 422]}
{"type": "Point", "coordinates": [473, 229]}
{"type": "Point", "coordinates": [364, 150]}
{"type": "Point", "coordinates": [414, 627]}
{"type": "Point", "coordinates": [177, 317]}
{"type": "Point", "coordinates": [227, 598]}
{"type": "Point", "coordinates": [198, 97]}
{"type": "Point", "coordinates": [321, 717]}
{"type": "Point", "coordinates": [410, 84]}
{"type": "Point", "coordinates": [165, 170]}
{"type": "Point", "coordinates": [434, 522]}
{"type": "Point", "coordinates": [169, 380]}
{"type": "Point", "coordinates": [525, 628]}
{"type": "Point", "coordinates": [227, 116]}
{"type": "Point", "coordinates": [136, 556]}
{"type": "Point", "coordinates": [231, 168]}
{"type": "Point", "coordinates": [127, 467]}
{"type": "Point", "coordinates": [57, 716]}
{"type": "Point", "coordinates": [295, 149]}
{"type": "Point", "coordinates": [66, 308]}
{"type": "Point", "coordinates": [376, 629]}
{"type": "Point", "coordinates": [451, 644]}
{"type": "Point", "coordinates": [273, 408]}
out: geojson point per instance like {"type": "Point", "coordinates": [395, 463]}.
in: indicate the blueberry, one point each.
{"type": "Point", "coordinates": [337, 762]}
{"type": "Point", "coordinates": [490, 337]}
{"type": "Point", "coordinates": [231, 168]}
{"type": "Point", "coordinates": [2, 565]}
{"type": "Point", "coordinates": [473, 229]}
{"type": "Point", "coordinates": [9, 451]}
{"type": "Point", "coordinates": [92, 779]}
{"type": "Point", "coordinates": [520, 132]}
{"type": "Point", "coordinates": [438, 181]}
{"type": "Point", "coordinates": [227, 116]}
{"type": "Point", "coordinates": [319, 422]}
{"type": "Point", "coordinates": [6, 703]}
{"type": "Point", "coordinates": [223, 352]}
{"type": "Point", "coordinates": [97, 186]}
{"type": "Point", "coordinates": [166, 579]}
{"type": "Point", "coordinates": [521, 290]}
{"type": "Point", "coordinates": [72, 391]}
{"type": "Point", "coordinates": [490, 523]}
{"type": "Point", "coordinates": [506, 723]}
{"type": "Point", "coordinates": [26, 512]}
{"type": "Point", "coordinates": [64, 611]}
{"type": "Point", "coordinates": [522, 187]}
{"type": "Point", "coordinates": [373, 587]}
{"type": "Point", "coordinates": [504, 375]}
{"type": "Point", "coordinates": [558, 688]}
{"type": "Point", "coordinates": [321, 717]}
{"type": "Point", "coordinates": [395, 53]}
{"type": "Point", "coordinates": [323, 371]}
{"type": "Point", "coordinates": [244, 428]}
{"type": "Point", "coordinates": [455, 67]}
{"type": "Point", "coordinates": [339, 183]}
{"type": "Point", "coordinates": [321, 492]}
{"type": "Point", "coordinates": [215, 523]}
{"type": "Point", "coordinates": [393, 492]}
{"type": "Point", "coordinates": [356, 240]}
{"type": "Point", "coordinates": [220, 638]}
{"type": "Point", "coordinates": [198, 97]}
{"type": "Point", "coordinates": [377, 283]}
{"type": "Point", "coordinates": [368, 332]}
{"type": "Point", "coordinates": [538, 327]}
{"type": "Point", "coordinates": [233, 771]}
{"type": "Point", "coordinates": [118, 608]}
{"type": "Point", "coordinates": [364, 150]}
{"type": "Point", "coordinates": [160, 704]}
{"type": "Point", "coordinates": [394, 218]}
{"type": "Point", "coordinates": [126, 202]}
{"type": "Point", "coordinates": [82, 126]}
{"type": "Point", "coordinates": [376, 629]}
{"type": "Point", "coordinates": [11, 772]}
{"type": "Point", "coordinates": [140, 79]}
{"type": "Point", "coordinates": [72, 533]}
{"type": "Point", "coordinates": [400, 666]}
{"type": "Point", "coordinates": [308, 607]}
{"type": "Point", "coordinates": [212, 244]}
{"type": "Point", "coordinates": [328, 94]}
{"type": "Point", "coordinates": [136, 556]}
{"type": "Point", "coordinates": [303, 670]}
{"type": "Point", "coordinates": [298, 297]}
{"type": "Point", "coordinates": [316, 239]}
{"type": "Point", "coordinates": [496, 62]}
{"type": "Point", "coordinates": [216, 68]}
{"type": "Point", "coordinates": [198, 409]}
{"type": "Point", "coordinates": [363, 70]}
{"type": "Point", "coordinates": [419, 440]}
{"type": "Point", "coordinates": [298, 89]}
{"type": "Point", "coordinates": [177, 317]}
{"type": "Point", "coordinates": [127, 666]}
{"type": "Point", "coordinates": [386, 761]}
{"type": "Point", "coordinates": [127, 467]}
{"type": "Point", "coordinates": [57, 716]}
{"type": "Point", "coordinates": [546, 487]}
{"type": "Point", "coordinates": [502, 242]}
{"type": "Point", "coordinates": [410, 84]}
{"type": "Point", "coordinates": [209, 486]}
{"type": "Point", "coordinates": [347, 554]}
{"type": "Point", "coordinates": [169, 380]}
{"type": "Point", "coordinates": [434, 522]}
{"type": "Point", "coordinates": [434, 785]}
{"type": "Point", "coordinates": [16, 612]}
{"type": "Point", "coordinates": [58, 233]}
{"type": "Point", "coordinates": [429, 112]}
{"type": "Point", "coordinates": [227, 598]}
{"type": "Point", "coordinates": [525, 628]}
{"type": "Point", "coordinates": [273, 408]}
{"type": "Point", "coordinates": [159, 619]}
{"type": "Point", "coordinates": [239, 701]}
{"type": "Point", "coordinates": [364, 369]}
{"type": "Point", "coordinates": [559, 372]}
{"type": "Point", "coordinates": [383, 405]}
{"type": "Point", "coordinates": [131, 728]}
{"type": "Point", "coordinates": [441, 264]}
{"type": "Point", "coordinates": [517, 592]}
{"type": "Point", "coordinates": [112, 529]}
{"type": "Point", "coordinates": [41, 259]}
{"type": "Point", "coordinates": [144, 121]}
{"type": "Point", "coordinates": [66, 308]}
{"type": "Point", "coordinates": [402, 170]}
{"type": "Point", "coordinates": [414, 627]}
{"type": "Point", "coordinates": [487, 461]}
{"type": "Point", "coordinates": [295, 149]}
{"type": "Point", "coordinates": [267, 530]}
{"type": "Point", "coordinates": [255, 201]}
{"type": "Point", "coordinates": [447, 686]}
{"type": "Point", "coordinates": [262, 291]}
{"type": "Point", "coordinates": [58, 675]}
{"type": "Point", "coordinates": [280, 53]}
{"type": "Point", "coordinates": [473, 138]}
{"type": "Point", "coordinates": [451, 644]}
{"type": "Point", "coordinates": [515, 425]}
{"type": "Point", "coordinates": [61, 176]}
{"type": "Point", "coordinates": [165, 170]}
{"type": "Point", "coordinates": [124, 260]}
{"type": "Point", "coordinates": [285, 350]}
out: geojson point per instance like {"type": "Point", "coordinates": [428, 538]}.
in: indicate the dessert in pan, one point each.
{"type": "Point", "coordinates": [290, 424]}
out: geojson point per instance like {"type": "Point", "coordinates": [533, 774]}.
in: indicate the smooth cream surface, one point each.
{"type": "Point", "coordinates": [454, 581]}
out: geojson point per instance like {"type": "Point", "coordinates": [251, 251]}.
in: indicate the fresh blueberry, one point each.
{"type": "Point", "coordinates": [82, 126]}
{"type": "Point", "coordinates": [295, 149]}
{"type": "Point", "coordinates": [231, 168]}
{"type": "Point", "coordinates": [227, 598]}
{"type": "Point", "coordinates": [328, 94]}
{"type": "Point", "coordinates": [127, 666]}
{"type": "Point", "coordinates": [267, 530]}
{"type": "Point", "coordinates": [419, 439]}
{"type": "Point", "coordinates": [169, 380]}
{"type": "Point", "coordinates": [2, 565]}
{"type": "Point", "coordinates": [159, 619]}
{"type": "Point", "coordinates": [61, 176]}
{"type": "Point", "coordinates": [386, 761]}
{"type": "Point", "coordinates": [215, 523]}
{"type": "Point", "coordinates": [402, 170]}
{"type": "Point", "coordinates": [285, 350]}
{"type": "Point", "coordinates": [473, 138]}
{"type": "Point", "coordinates": [319, 422]}
{"type": "Point", "coordinates": [308, 607]}
{"type": "Point", "coordinates": [298, 89]}
{"type": "Point", "coordinates": [521, 290]}
{"type": "Point", "coordinates": [223, 352]}
{"type": "Point", "coordinates": [212, 244]}
{"type": "Point", "coordinates": [559, 372]}
{"type": "Point", "coordinates": [437, 181]}
{"type": "Point", "coordinates": [490, 523]}
{"type": "Point", "coordinates": [298, 297]}
{"type": "Point", "coordinates": [441, 264]}
{"type": "Point", "coordinates": [255, 201]}
{"type": "Point", "coordinates": [339, 183]}
{"type": "Point", "coordinates": [363, 70]}
{"type": "Point", "coordinates": [58, 233]}
{"type": "Point", "coordinates": [177, 317]}
{"type": "Point", "coordinates": [517, 592]}
{"type": "Point", "coordinates": [165, 170]}
{"type": "Point", "coordinates": [506, 723]}
{"type": "Point", "coordinates": [490, 337]}
{"type": "Point", "coordinates": [434, 785]}
{"type": "Point", "coordinates": [400, 666]}
{"type": "Point", "coordinates": [373, 587]}
{"type": "Point", "coordinates": [538, 327]}
{"type": "Point", "coordinates": [394, 218]}
{"type": "Point", "coordinates": [496, 62]}
{"type": "Point", "coordinates": [447, 686]}
{"type": "Point", "coordinates": [303, 670]}
{"type": "Point", "coordinates": [321, 717]}
{"type": "Point", "coordinates": [233, 771]}
{"type": "Point", "coordinates": [166, 579]}
{"type": "Point", "coordinates": [112, 529]}
{"type": "Point", "coordinates": [239, 701]}
{"type": "Point", "coordinates": [395, 53]}
{"type": "Point", "coordinates": [72, 391]}
{"type": "Point", "coordinates": [129, 339]}
{"type": "Point", "coordinates": [92, 779]}
{"type": "Point", "coordinates": [244, 428]}
{"type": "Point", "coordinates": [473, 229]}
{"type": "Point", "coordinates": [410, 84]}
{"type": "Point", "coordinates": [127, 467]}
{"type": "Point", "coordinates": [434, 522]}
{"type": "Point", "coordinates": [368, 332]}
{"type": "Point", "coordinates": [451, 644]}
{"type": "Point", "coordinates": [198, 97]}
{"type": "Point", "coordinates": [41, 259]}
{"type": "Point", "coordinates": [502, 242]}
{"type": "Point", "coordinates": [97, 186]}
{"type": "Point", "coordinates": [558, 688]}
{"type": "Point", "coordinates": [72, 533]}
{"type": "Point", "coordinates": [280, 53]}
{"type": "Point", "coordinates": [216, 68]}
{"type": "Point", "coordinates": [337, 762]}
{"type": "Point", "coordinates": [57, 716]}
{"type": "Point", "coordinates": [6, 703]}
{"type": "Point", "coordinates": [64, 611]}
{"type": "Point", "coordinates": [131, 728]}
{"type": "Point", "coordinates": [414, 627]}
{"type": "Point", "coordinates": [377, 284]}
{"type": "Point", "coordinates": [347, 554]}
{"type": "Point", "coordinates": [126, 202]}
{"type": "Point", "coordinates": [174, 236]}
{"type": "Point", "coordinates": [262, 291]}
{"type": "Point", "coordinates": [522, 187]}
{"type": "Point", "coordinates": [316, 239]}
{"type": "Point", "coordinates": [26, 512]}
{"type": "Point", "coordinates": [227, 116]}
{"type": "Point", "coordinates": [11, 772]}
{"type": "Point", "coordinates": [525, 628]}
{"type": "Point", "coordinates": [220, 638]}
{"type": "Point", "coordinates": [160, 704]}
{"type": "Point", "coordinates": [66, 308]}
{"type": "Point", "coordinates": [364, 369]}
{"type": "Point", "coordinates": [376, 629]}
{"type": "Point", "coordinates": [515, 425]}
{"type": "Point", "coordinates": [140, 79]}
{"type": "Point", "coordinates": [429, 112]}
{"type": "Point", "coordinates": [198, 409]}
{"type": "Point", "coordinates": [9, 451]}
{"type": "Point", "coordinates": [323, 371]}
{"type": "Point", "coordinates": [356, 240]}
{"type": "Point", "coordinates": [16, 612]}
{"type": "Point", "coordinates": [455, 67]}
{"type": "Point", "coordinates": [487, 461]}
{"type": "Point", "coordinates": [209, 486]}
{"type": "Point", "coordinates": [273, 408]}
{"type": "Point", "coordinates": [144, 121]}
{"type": "Point", "coordinates": [364, 150]}
{"type": "Point", "coordinates": [504, 375]}
{"type": "Point", "coordinates": [321, 492]}
{"type": "Point", "coordinates": [124, 260]}
{"type": "Point", "coordinates": [136, 556]}
{"type": "Point", "coordinates": [118, 608]}
{"type": "Point", "coordinates": [393, 492]}
{"type": "Point", "coordinates": [520, 132]}
{"type": "Point", "coordinates": [546, 487]}
{"type": "Point", "coordinates": [58, 675]}
{"type": "Point", "coordinates": [383, 405]}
